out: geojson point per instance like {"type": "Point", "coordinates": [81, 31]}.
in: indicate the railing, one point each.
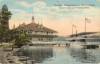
{"type": "Point", "coordinates": [43, 34]}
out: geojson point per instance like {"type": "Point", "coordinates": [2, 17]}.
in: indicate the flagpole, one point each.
{"type": "Point", "coordinates": [85, 25]}
{"type": "Point", "coordinates": [73, 26]}
{"type": "Point", "coordinates": [72, 29]}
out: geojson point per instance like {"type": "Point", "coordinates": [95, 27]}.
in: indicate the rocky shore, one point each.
{"type": "Point", "coordinates": [7, 56]}
{"type": "Point", "coordinates": [10, 56]}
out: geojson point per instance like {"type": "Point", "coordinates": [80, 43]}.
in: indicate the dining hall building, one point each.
{"type": "Point", "coordinates": [38, 32]}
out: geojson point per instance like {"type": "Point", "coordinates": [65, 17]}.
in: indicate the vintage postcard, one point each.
{"type": "Point", "coordinates": [49, 31]}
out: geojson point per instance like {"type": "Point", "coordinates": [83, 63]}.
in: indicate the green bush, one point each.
{"type": "Point", "coordinates": [21, 40]}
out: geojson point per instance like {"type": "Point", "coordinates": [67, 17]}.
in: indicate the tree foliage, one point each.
{"type": "Point", "coordinates": [6, 35]}
{"type": "Point", "coordinates": [21, 39]}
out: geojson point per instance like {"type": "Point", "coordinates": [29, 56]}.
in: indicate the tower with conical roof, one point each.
{"type": "Point", "coordinates": [5, 16]}
{"type": "Point", "coordinates": [33, 19]}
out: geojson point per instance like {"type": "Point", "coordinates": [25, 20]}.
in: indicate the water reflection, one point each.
{"type": "Point", "coordinates": [38, 53]}
{"type": "Point", "coordinates": [85, 55]}
{"type": "Point", "coordinates": [62, 55]}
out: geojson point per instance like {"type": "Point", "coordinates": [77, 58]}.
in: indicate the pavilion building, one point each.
{"type": "Point", "coordinates": [37, 32]}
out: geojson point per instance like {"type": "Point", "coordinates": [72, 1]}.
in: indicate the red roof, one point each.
{"type": "Point", "coordinates": [35, 27]}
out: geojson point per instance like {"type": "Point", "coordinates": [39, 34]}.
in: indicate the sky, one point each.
{"type": "Point", "coordinates": [59, 15]}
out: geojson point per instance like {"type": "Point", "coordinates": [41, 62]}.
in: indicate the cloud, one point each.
{"type": "Point", "coordinates": [21, 12]}
{"type": "Point", "coordinates": [17, 11]}
{"type": "Point", "coordinates": [41, 8]}
{"type": "Point", "coordinates": [25, 3]}
{"type": "Point", "coordinates": [20, 15]}
{"type": "Point", "coordinates": [1, 0]}
{"type": "Point", "coordinates": [93, 11]}
{"type": "Point", "coordinates": [98, 0]}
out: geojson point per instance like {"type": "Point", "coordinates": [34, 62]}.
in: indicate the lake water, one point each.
{"type": "Point", "coordinates": [62, 55]}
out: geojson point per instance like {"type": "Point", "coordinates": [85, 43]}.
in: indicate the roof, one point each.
{"type": "Point", "coordinates": [86, 33]}
{"type": "Point", "coordinates": [83, 33]}
{"type": "Point", "coordinates": [34, 27]}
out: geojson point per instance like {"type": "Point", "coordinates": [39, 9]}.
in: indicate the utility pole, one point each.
{"type": "Point", "coordinates": [72, 30]}
{"type": "Point", "coordinates": [76, 32]}
{"type": "Point", "coordinates": [73, 27]}
{"type": "Point", "coordinates": [86, 21]}
{"type": "Point", "coordinates": [85, 26]}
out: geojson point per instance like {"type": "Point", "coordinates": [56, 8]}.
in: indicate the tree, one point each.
{"type": "Point", "coordinates": [6, 35]}
{"type": "Point", "coordinates": [21, 39]}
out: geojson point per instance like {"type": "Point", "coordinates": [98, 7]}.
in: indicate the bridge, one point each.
{"type": "Point", "coordinates": [50, 43]}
